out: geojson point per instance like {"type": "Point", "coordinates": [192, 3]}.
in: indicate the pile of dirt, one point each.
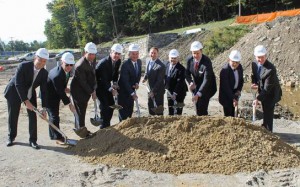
{"type": "Point", "coordinates": [188, 144]}
{"type": "Point", "coordinates": [282, 40]}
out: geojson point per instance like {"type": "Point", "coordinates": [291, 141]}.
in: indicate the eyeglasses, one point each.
{"type": "Point", "coordinates": [69, 65]}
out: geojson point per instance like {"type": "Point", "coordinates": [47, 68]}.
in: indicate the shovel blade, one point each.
{"type": "Point", "coordinates": [179, 105]}
{"type": "Point", "coordinates": [96, 121]}
{"type": "Point", "coordinates": [82, 132]}
{"type": "Point", "coordinates": [118, 107]}
{"type": "Point", "coordinates": [158, 110]}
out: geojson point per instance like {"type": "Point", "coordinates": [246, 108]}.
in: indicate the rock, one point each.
{"type": "Point", "coordinates": [290, 84]}
{"type": "Point", "coordinates": [277, 39]}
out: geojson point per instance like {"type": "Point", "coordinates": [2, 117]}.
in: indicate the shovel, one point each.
{"type": "Point", "coordinates": [175, 104]}
{"type": "Point", "coordinates": [156, 109]}
{"type": "Point", "coordinates": [116, 105]}
{"type": "Point", "coordinates": [253, 91]}
{"type": "Point", "coordinates": [96, 121]}
{"type": "Point", "coordinates": [82, 132]}
{"type": "Point", "coordinates": [67, 141]}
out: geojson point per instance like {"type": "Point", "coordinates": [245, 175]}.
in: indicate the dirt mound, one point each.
{"type": "Point", "coordinates": [189, 144]}
{"type": "Point", "coordinates": [282, 40]}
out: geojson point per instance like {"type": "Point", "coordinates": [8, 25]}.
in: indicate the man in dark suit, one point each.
{"type": "Point", "coordinates": [130, 76]}
{"type": "Point", "coordinates": [155, 73]}
{"type": "Point", "coordinates": [107, 74]}
{"type": "Point", "coordinates": [57, 88]}
{"type": "Point", "coordinates": [201, 78]}
{"type": "Point", "coordinates": [175, 82]}
{"type": "Point", "coordinates": [231, 83]}
{"type": "Point", "coordinates": [264, 78]}
{"type": "Point", "coordinates": [83, 84]}
{"type": "Point", "coordinates": [21, 89]}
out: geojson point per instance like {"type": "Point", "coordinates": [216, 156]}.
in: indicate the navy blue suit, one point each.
{"type": "Point", "coordinates": [155, 77]}
{"type": "Point", "coordinates": [16, 92]}
{"type": "Point", "coordinates": [269, 91]}
{"type": "Point", "coordinates": [128, 78]}
{"type": "Point", "coordinates": [106, 73]}
{"type": "Point", "coordinates": [227, 92]}
{"type": "Point", "coordinates": [175, 83]}
{"type": "Point", "coordinates": [205, 81]}
{"type": "Point", "coordinates": [56, 84]}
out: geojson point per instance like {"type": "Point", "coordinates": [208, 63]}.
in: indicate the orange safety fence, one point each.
{"type": "Point", "coordinates": [259, 18]}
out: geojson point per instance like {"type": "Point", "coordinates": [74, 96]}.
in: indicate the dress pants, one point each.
{"type": "Point", "coordinates": [81, 111]}
{"type": "Point", "coordinates": [14, 106]}
{"type": "Point", "coordinates": [202, 106]}
{"type": "Point", "coordinates": [53, 113]}
{"type": "Point", "coordinates": [171, 103]}
{"type": "Point", "coordinates": [159, 102]}
{"type": "Point", "coordinates": [268, 112]}
{"type": "Point", "coordinates": [106, 100]}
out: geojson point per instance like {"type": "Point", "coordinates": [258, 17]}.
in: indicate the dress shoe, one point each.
{"type": "Point", "coordinates": [34, 145]}
{"type": "Point", "coordinates": [60, 141]}
{"type": "Point", "coordinates": [9, 143]}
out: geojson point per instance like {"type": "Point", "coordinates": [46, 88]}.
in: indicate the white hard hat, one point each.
{"type": "Point", "coordinates": [42, 53]}
{"type": "Point", "coordinates": [90, 48]}
{"type": "Point", "coordinates": [134, 47]}
{"type": "Point", "coordinates": [173, 53]}
{"type": "Point", "coordinates": [196, 45]}
{"type": "Point", "coordinates": [117, 48]}
{"type": "Point", "coordinates": [260, 50]}
{"type": "Point", "coordinates": [235, 56]}
{"type": "Point", "coordinates": [68, 58]}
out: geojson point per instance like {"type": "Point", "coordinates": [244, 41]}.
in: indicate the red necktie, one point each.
{"type": "Point", "coordinates": [196, 66]}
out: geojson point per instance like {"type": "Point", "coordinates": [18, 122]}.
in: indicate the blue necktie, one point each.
{"type": "Point", "coordinates": [258, 71]}
{"type": "Point", "coordinates": [136, 69]}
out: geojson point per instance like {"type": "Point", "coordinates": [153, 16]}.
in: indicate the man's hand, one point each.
{"type": "Point", "coordinates": [72, 108]}
{"type": "Point", "coordinates": [254, 86]}
{"type": "Point", "coordinates": [114, 92]}
{"type": "Point", "coordinates": [115, 86]}
{"type": "Point", "coordinates": [195, 98]}
{"type": "Point", "coordinates": [67, 90]}
{"type": "Point", "coordinates": [44, 114]}
{"type": "Point", "coordinates": [94, 96]}
{"type": "Point", "coordinates": [151, 94]}
{"type": "Point", "coordinates": [235, 102]}
{"type": "Point", "coordinates": [134, 97]}
{"type": "Point", "coordinates": [28, 104]}
{"type": "Point", "coordinates": [173, 97]}
{"type": "Point", "coordinates": [136, 86]}
{"type": "Point", "coordinates": [255, 103]}
{"type": "Point", "coordinates": [144, 80]}
{"type": "Point", "coordinates": [192, 87]}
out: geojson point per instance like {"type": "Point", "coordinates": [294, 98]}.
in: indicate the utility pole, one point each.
{"type": "Point", "coordinates": [239, 7]}
{"type": "Point", "coordinates": [113, 14]}
{"type": "Point", "coordinates": [76, 25]}
{"type": "Point", "coordinates": [12, 45]}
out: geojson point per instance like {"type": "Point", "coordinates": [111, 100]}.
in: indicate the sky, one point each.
{"type": "Point", "coordinates": [23, 20]}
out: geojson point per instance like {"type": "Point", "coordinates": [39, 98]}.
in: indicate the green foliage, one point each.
{"type": "Point", "coordinates": [222, 39]}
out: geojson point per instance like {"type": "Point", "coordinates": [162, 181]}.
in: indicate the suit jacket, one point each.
{"type": "Point", "coordinates": [204, 78]}
{"type": "Point", "coordinates": [56, 84]}
{"type": "Point", "coordinates": [128, 77]}
{"type": "Point", "coordinates": [155, 77]}
{"type": "Point", "coordinates": [20, 83]}
{"type": "Point", "coordinates": [227, 81]}
{"type": "Point", "coordinates": [268, 83]}
{"type": "Point", "coordinates": [106, 72]}
{"type": "Point", "coordinates": [176, 81]}
{"type": "Point", "coordinates": [84, 80]}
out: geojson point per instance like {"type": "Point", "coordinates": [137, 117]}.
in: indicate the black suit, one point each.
{"type": "Point", "coordinates": [82, 86]}
{"type": "Point", "coordinates": [155, 77]}
{"type": "Point", "coordinates": [227, 92]}
{"type": "Point", "coordinates": [56, 84]}
{"type": "Point", "coordinates": [16, 92]}
{"type": "Point", "coordinates": [175, 83]}
{"type": "Point", "coordinates": [269, 91]}
{"type": "Point", "coordinates": [205, 81]}
{"type": "Point", "coordinates": [128, 78]}
{"type": "Point", "coordinates": [106, 73]}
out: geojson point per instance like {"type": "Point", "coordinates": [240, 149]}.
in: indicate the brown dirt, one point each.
{"type": "Point", "coordinates": [188, 144]}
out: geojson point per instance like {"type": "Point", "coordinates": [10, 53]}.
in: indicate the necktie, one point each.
{"type": "Point", "coordinates": [196, 66]}
{"type": "Point", "coordinates": [29, 94]}
{"type": "Point", "coordinates": [171, 69]}
{"type": "Point", "coordinates": [67, 77]}
{"type": "Point", "coordinates": [259, 71]}
{"type": "Point", "coordinates": [136, 69]}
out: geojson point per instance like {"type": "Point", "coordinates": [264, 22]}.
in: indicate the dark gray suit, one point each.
{"type": "Point", "coordinates": [227, 92]}
{"type": "Point", "coordinates": [16, 92]}
{"type": "Point", "coordinates": [56, 84]}
{"type": "Point", "coordinates": [155, 77]}
{"type": "Point", "coordinates": [269, 91]}
{"type": "Point", "coordinates": [128, 78]}
{"type": "Point", "coordinates": [106, 73]}
{"type": "Point", "coordinates": [205, 81]}
{"type": "Point", "coordinates": [82, 86]}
